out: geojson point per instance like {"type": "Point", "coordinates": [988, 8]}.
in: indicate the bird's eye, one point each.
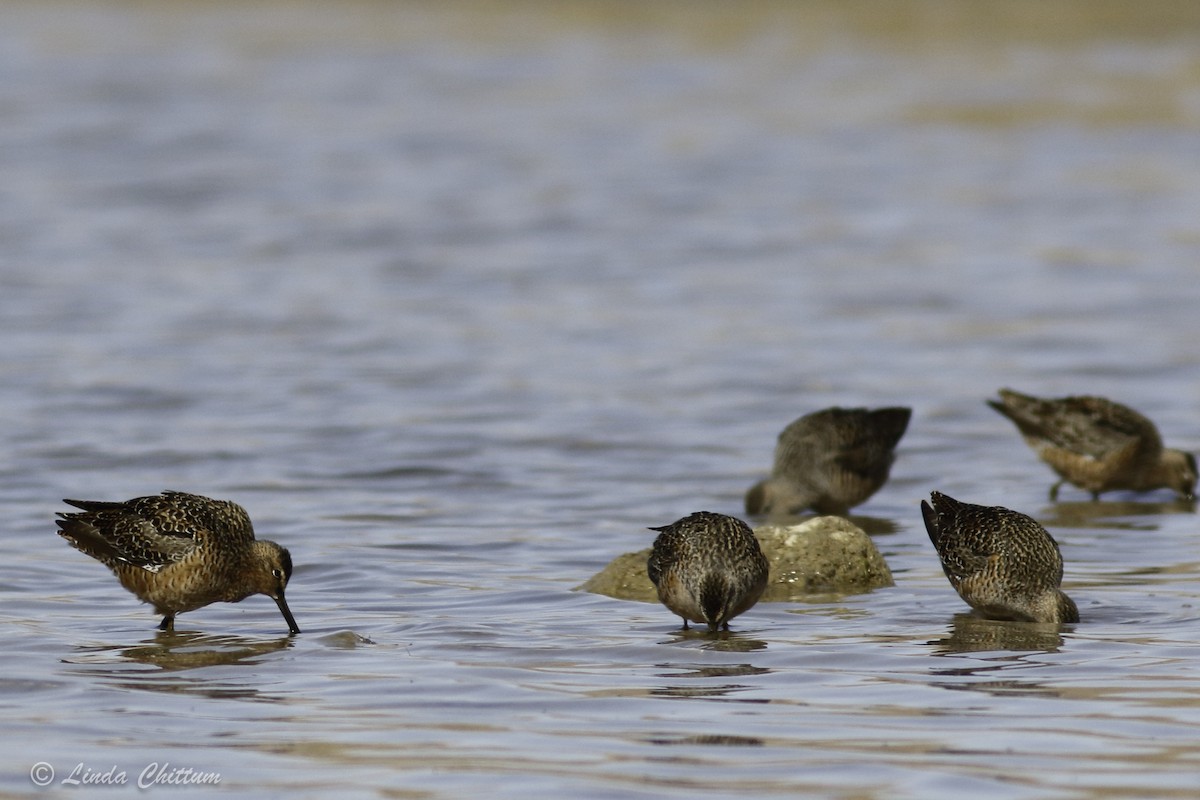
{"type": "Point", "coordinates": [278, 573]}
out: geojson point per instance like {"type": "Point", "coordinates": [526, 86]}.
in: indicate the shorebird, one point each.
{"type": "Point", "coordinates": [707, 568]}
{"type": "Point", "coordinates": [1098, 445]}
{"type": "Point", "coordinates": [830, 461]}
{"type": "Point", "coordinates": [1003, 563]}
{"type": "Point", "coordinates": [180, 552]}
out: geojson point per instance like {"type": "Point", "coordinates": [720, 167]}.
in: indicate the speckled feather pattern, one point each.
{"type": "Point", "coordinates": [1001, 562]}
{"type": "Point", "coordinates": [180, 551]}
{"type": "Point", "coordinates": [707, 568]}
{"type": "Point", "coordinates": [1098, 445]}
{"type": "Point", "coordinates": [830, 461]}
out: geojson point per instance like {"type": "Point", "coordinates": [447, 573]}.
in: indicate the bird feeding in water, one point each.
{"type": "Point", "coordinates": [180, 552]}
{"type": "Point", "coordinates": [830, 461]}
{"type": "Point", "coordinates": [1098, 445]}
{"type": "Point", "coordinates": [707, 568]}
{"type": "Point", "coordinates": [1003, 563]}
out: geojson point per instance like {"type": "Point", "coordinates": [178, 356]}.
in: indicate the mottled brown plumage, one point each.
{"type": "Point", "coordinates": [1098, 445]}
{"type": "Point", "coordinates": [707, 568]}
{"type": "Point", "coordinates": [1003, 563]}
{"type": "Point", "coordinates": [180, 552]}
{"type": "Point", "coordinates": [830, 461]}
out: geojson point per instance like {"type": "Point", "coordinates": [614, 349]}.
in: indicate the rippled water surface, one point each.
{"type": "Point", "coordinates": [457, 301]}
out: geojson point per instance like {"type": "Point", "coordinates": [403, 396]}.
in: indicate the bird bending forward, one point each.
{"type": "Point", "coordinates": [180, 551]}
{"type": "Point", "coordinates": [1098, 445]}
{"type": "Point", "coordinates": [830, 461]}
{"type": "Point", "coordinates": [707, 568]}
{"type": "Point", "coordinates": [1003, 563]}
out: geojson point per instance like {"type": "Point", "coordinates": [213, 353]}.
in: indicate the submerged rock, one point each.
{"type": "Point", "coordinates": [822, 555]}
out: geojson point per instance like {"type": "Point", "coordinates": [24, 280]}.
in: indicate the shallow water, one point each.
{"type": "Point", "coordinates": [457, 302]}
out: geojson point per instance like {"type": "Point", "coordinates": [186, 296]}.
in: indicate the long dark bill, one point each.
{"type": "Point", "coordinates": [287, 614]}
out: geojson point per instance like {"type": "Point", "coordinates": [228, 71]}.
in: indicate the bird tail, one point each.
{"type": "Point", "coordinates": [85, 538]}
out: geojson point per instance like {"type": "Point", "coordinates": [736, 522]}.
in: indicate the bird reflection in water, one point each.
{"type": "Point", "coordinates": [1115, 514]}
{"type": "Point", "coordinates": [703, 672]}
{"type": "Point", "coordinates": [724, 641]}
{"type": "Point", "coordinates": [171, 653]}
{"type": "Point", "coordinates": [709, 739]}
{"type": "Point", "coordinates": [972, 634]}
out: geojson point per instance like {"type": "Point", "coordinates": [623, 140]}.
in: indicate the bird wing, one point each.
{"type": "Point", "coordinates": [1100, 429]}
{"type": "Point", "coordinates": [116, 537]}
{"type": "Point", "coordinates": [961, 556]}
{"type": "Point", "coordinates": [1090, 426]}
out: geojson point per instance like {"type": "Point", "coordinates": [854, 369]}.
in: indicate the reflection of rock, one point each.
{"type": "Point", "coordinates": [824, 554]}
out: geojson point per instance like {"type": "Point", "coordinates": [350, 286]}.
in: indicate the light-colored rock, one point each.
{"type": "Point", "coordinates": [820, 555]}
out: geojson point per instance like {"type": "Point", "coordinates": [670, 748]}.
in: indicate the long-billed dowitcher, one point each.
{"type": "Point", "coordinates": [830, 461]}
{"type": "Point", "coordinates": [180, 552]}
{"type": "Point", "coordinates": [1098, 445]}
{"type": "Point", "coordinates": [1003, 563]}
{"type": "Point", "coordinates": [707, 568]}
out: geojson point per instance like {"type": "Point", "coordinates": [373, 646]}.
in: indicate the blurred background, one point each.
{"type": "Point", "coordinates": [457, 299]}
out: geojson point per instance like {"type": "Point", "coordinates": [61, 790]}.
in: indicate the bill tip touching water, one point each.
{"type": "Point", "coordinates": [707, 568]}
{"type": "Point", "coordinates": [1004, 564]}
{"type": "Point", "coordinates": [180, 552]}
